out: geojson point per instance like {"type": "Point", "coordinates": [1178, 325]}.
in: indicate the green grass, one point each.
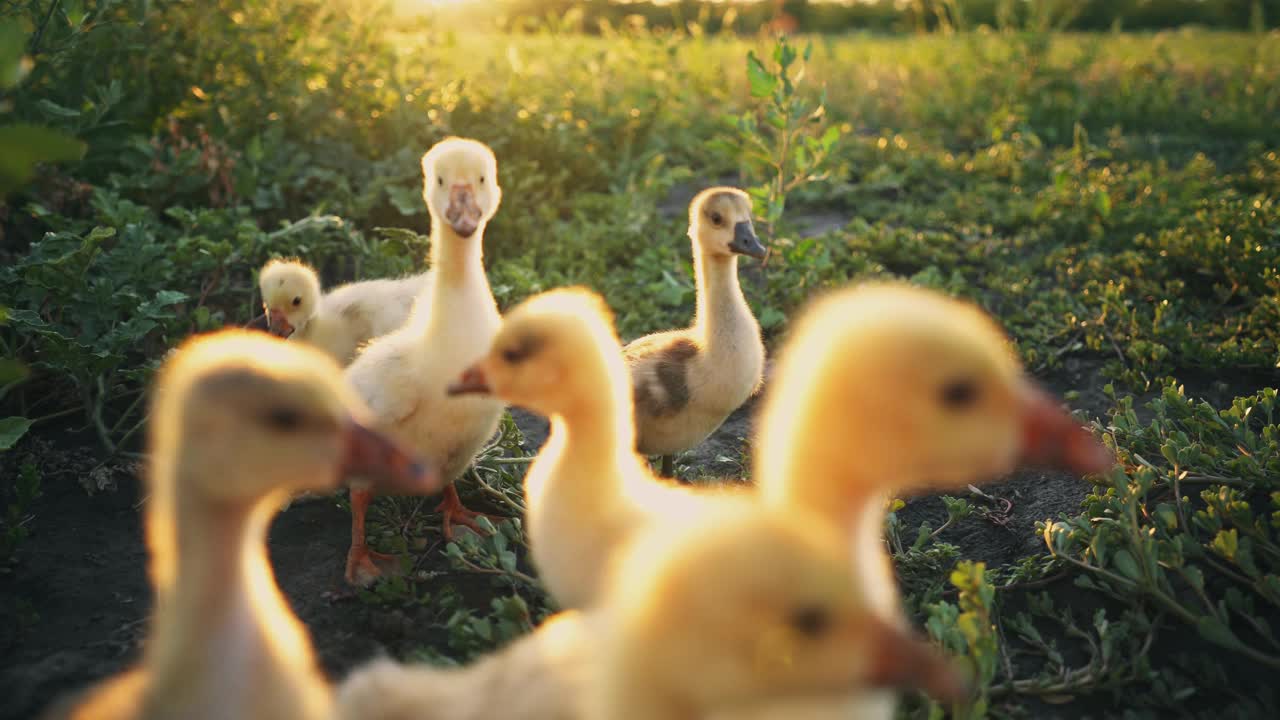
{"type": "Point", "coordinates": [1112, 199]}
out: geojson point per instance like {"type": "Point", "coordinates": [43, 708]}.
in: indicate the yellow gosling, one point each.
{"type": "Point", "coordinates": [885, 387]}
{"type": "Point", "coordinates": [341, 321]}
{"type": "Point", "coordinates": [704, 619]}
{"type": "Point", "coordinates": [587, 491]}
{"type": "Point", "coordinates": [238, 421]}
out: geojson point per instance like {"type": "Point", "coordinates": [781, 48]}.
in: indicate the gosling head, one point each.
{"type": "Point", "coordinates": [915, 387]}
{"type": "Point", "coordinates": [290, 295]}
{"type": "Point", "coordinates": [720, 223]}
{"type": "Point", "coordinates": [460, 184]}
{"type": "Point", "coordinates": [243, 415]}
{"type": "Point", "coordinates": [543, 354]}
{"type": "Point", "coordinates": [750, 605]}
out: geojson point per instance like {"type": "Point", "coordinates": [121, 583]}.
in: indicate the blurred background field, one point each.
{"type": "Point", "coordinates": [1102, 176]}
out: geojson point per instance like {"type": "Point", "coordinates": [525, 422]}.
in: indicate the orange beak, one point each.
{"type": "Point", "coordinates": [463, 213]}
{"type": "Point", "coordinates": [472, 382]}
{"type": "Point", "coordinates": [1052, 438]}
{"type": "Point", "coordinates": [392, 470]}
{"type": "Point", "coordinates": [278, 324]}
{"type": "Point", "coordinates": [904, 660]}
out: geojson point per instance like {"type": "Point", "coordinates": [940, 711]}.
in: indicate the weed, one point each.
{"type": "Point", "coordinates": [17, 512]}
{"type": "Point", "coordinates": [785, 141]}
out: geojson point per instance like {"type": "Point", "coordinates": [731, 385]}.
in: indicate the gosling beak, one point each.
{"type": "Point", "coordinates": [904, 660]}
{"type": "Point", "coordinates": [745, 241]}
{"type": "Point", "coordinates": [1052, 438]}
{"type": "Point", "coordinates": [463, 213]}
{"type": "Point", "coordinates": [278, 324]}
{"type": "Point", "coordinates": [472, 382]}
{"type": "Point", "coordinates": [389, 467]}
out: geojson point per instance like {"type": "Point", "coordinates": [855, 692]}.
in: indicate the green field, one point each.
{"type": "Point", "coordinates": [1112, 199]}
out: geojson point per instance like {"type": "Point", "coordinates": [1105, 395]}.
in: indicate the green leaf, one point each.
{"type": "Point", "coordinates": [11, 371]}
{"type": "Point", "coordinates": [13, 63]}
{"type": "Point", "coordinates": [22, 147]}
{"type": "Point", "coordinates": [771, 317]}
{"type": "Point", "coordinates": [762, 82]}
{"type": "Point", "coordinates": [1213, 630]}
{"type": "Point", "coordinates": [1124, 562]}
{"type": "Point", "coordinates": [407, 200]}
{"type": "Point", "coordinates": [830, 137]}
{"type": "Point", "coordinates": [54, 110]}
{"type": "Point", "coordinates": [507, 560]}
{"type": "Point", "coordinates": [1103, 201]}
{"type": "Point", "coordinates": [11, 431]}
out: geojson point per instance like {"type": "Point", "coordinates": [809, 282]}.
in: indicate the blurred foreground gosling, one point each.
{"type": "Point", "coordinates": [886, 387]}
{"type": "Point", "coordinates": [686, 382]}
{"type": "Point", "coordinates": [402, 376]}
{"type": "Point", "coordinates": [587, 491]}
{"type": "Point", "coordinates": [238, 421]}
{"type": "Point", "coordinates": [744, 606]}
{"type": "Point", "coordinates": [340, 321]}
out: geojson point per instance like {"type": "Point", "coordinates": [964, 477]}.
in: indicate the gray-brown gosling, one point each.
{"type": "Point", "coordinates": [686, 382]}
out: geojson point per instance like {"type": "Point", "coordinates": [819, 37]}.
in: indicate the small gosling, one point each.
{"type": "Point", "coordinates": [340, 321]}
{"type": "Point", "coordinates": [703, 618]}
{"type": "Point", "coordinates": [686, 382]}
{"type": "Point", "coordinates": [238, 421]}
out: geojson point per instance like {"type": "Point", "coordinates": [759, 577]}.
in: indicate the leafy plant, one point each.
{"type": "Point", "coordinates": [967, 630]}
{"type": "Point", "coordinates": [785, 141]}
{"type": "Point", "coordinates": [23, 145]}
{"type": "Point", "coordinates": [1209, 560]}
{"type": "Point", "coordinates": [17, 519]}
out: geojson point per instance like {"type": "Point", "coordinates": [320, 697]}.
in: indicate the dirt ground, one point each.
{"type": "Point", "coordinates": [73, 608]}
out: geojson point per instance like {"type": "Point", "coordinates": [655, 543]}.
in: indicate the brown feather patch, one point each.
{"type": "Point", "coordinates": [666, 391]}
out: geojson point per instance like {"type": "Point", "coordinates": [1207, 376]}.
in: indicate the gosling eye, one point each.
{"type": "Point", "coordinates": [521, 351]}
{"type": "Point", "coordinates": [481, 179]}
{"type": "Point", "coordinates": [297, 300]}
{"type": "Point", "coordinates": [810, 621]}
{"type": "Point", "coordinates": [959, 394]}
{"type": "Point", "coordinates": [282, 418]}
{"type": "Point", "coordinates": [440, 181]}
{"type": "Point", "coordinates": [717, 219]}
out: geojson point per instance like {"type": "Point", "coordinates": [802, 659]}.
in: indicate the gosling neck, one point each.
{"type": "Point", "coordinates": [455, 260]}
{"type": "Point", "coordinates": [722, 309]}
{"type": "Point", "coordinates": [803, 462]}
{"type": "Point", "coordinates": [318, 325]}
{"type": "Point", "coordinates": [634, 691]}
{"type": "Point", "coordinates": [599, 424]}
{"type": "Point", "coordinates": [221, 614]}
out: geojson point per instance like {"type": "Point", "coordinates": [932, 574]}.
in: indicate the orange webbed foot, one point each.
{"type": "Point", "coordinates": [455, 513]}
{"type": "Point", "coordinates": [365, 566]}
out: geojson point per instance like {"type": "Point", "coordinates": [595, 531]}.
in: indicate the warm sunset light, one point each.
{"type": "Point", "coordinates": [629, 359]}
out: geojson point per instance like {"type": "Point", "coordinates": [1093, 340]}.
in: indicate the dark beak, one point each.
{"type": "Point", "coordinates": [1052, 438]}
{"type": "Point", "coordinates": [389, 467]}
{"type": "Point", "coordinates": [745, 241]}
{"type": "Point", "coordinates": [463, 213]}
{"type": "Point", "coordinates": [278, 324]}
{"type": "Point", "coordinates": [472, 382]}
{"type": "Point", "coordinates": [904, 660]}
